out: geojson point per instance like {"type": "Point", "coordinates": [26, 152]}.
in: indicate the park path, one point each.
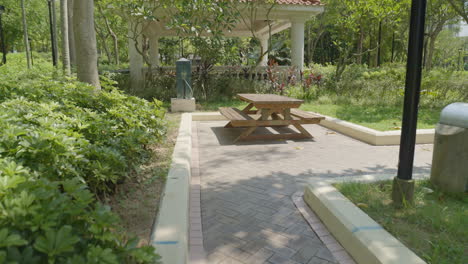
{"type": "Point", "coordinates": [248, 215]}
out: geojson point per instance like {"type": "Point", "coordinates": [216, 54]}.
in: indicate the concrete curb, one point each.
{"type": "Point", "coordinates": [362, 237]}
{"type": "Point", "coordinates": [367, 135]}
{"type": "Point", "coordinates": [170, 233]}
{"type": "Point", "coordinates": [374, 137]}
{"type": "Point", "coordinates": [338, 252]}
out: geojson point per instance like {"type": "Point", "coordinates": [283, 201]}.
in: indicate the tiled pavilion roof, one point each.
{"type": "Point", "coordinates": [298, 2]}
{"type": "Point", "coordinates": [294, 2]}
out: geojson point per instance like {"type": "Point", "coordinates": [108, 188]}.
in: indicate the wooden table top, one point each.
{"type": "Point", "coordinates": [269, 99]}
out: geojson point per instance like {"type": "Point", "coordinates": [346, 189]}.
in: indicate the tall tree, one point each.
{"type": "Point", "coordinates": [65, 43]}
{"type": "Point", "coordinates": [103, 14]}
{"type": "Point", "coordinates": [54, 29]}
{"type": "Point", "coordinates": [71, 35]}
{"type": "Point", "coordinates": [85, 41]}
{"type": "Point", "coordinates": [440, 13]}
{"type": "Point", "coordinates": [25, 35]}
{"type": "Point", "coordinates": [461, 7]}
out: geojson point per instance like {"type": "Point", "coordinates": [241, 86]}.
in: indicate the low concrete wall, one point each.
{"type": "Point", "coordinates": [374, 137]}
{"type": "Point", "coordinates": [362, 237]}
{"type": "Point", "coordinates": [368, 135]}
{"type": "Point", "coordinates": [170, 233]}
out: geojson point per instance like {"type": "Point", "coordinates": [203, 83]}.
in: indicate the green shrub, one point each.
{"type": "Point", "coordinates": [44, 221]}
{"type": "Point", "coordinates": [161, 85]}
{"type": "Point", "coordinates": [62, 144]}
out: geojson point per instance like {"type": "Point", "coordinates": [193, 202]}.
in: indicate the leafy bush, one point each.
{"type": "Point", "coordinates": [384, 85]}
{"type": "Point", "coordinates": [207, 86]}
{"type": "Point", "coordinates": [44, 221]}
{"type": "Point", "coordinates": [61, 144]}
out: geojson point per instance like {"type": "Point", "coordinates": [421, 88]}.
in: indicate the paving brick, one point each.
{"type": "Point", "coordinates": [245, 190]}
{"type": "Point", "coordinates": [215, 258]}
{"type": "Point", "coordinates": [260, 256]}
{"type": "Point", "coordinates": [282, 250]}
{"type": "Point", "coordinates": [316, 260]}
{"type": "Point", "coordinates": [304, 254]}
{"type": "Point", "coordinates": [324, 253]}
{"type": "Point", "coordinates": [279, 259]}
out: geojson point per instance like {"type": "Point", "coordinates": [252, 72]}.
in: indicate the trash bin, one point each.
{"type": "Point", "coordinates": [450, 158]}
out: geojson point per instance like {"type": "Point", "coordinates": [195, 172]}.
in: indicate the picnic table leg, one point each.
{"type": "Point", "coordinates": [303, 131]}
{"type": "Point", "coordinates": [287, 114]}
{"type": "Point", "coordinates": [265, 114]}
{"type": "Point", "coordinates": [248, 109]}
{"type": "Point", "coordinates": [245, 134]}
{"type": "Point", "coordinates": [229, 125]}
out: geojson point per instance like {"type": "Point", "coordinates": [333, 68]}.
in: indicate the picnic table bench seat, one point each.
{"type": "Point", "coordinates": [238, 118]}
{"type": "Point", "coordinates": [234, 114]}
{"type": "Point", "coordinates": [306, 115]}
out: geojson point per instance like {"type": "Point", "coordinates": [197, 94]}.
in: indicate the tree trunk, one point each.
{"type": "Point", "coordinates": [430, 52]}
{"type": "Point", "coordinates": [432, 40]}
{"type": "Point", "coordinates": [360, 44]}
{"type": "Point", "coordinates": [460, 9]}
{"type": "Point", "coordinates": [54, 28]}
{"type": "Point", "coordinates": [369, 55]}
{"type": "Point", "coordinates": [103, 43]}
{"type": "Point", "coordinates": [25, 35]}
{"type": "Point", "coordinates": [65, 45]}
{"type": "Point", "coordinates": [71, 36]}
{"type": "Point", "coordinates": [113, 35]}
{"type": "Point", "coordinates": [379, 45]}
{"type": "Point", "coordinates": [85, 40]}
{"type": "Point", "coordinates": [393, 47]}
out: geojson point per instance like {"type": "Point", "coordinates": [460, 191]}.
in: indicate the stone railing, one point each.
{"type": "Point", "coordinates": [280, 74]}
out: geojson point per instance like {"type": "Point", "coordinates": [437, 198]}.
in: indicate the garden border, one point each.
{"type": "Point", "coordinates": [361, 236]}
{"type": "Point", "coordinates": [367, 135]}
{"type": "Point", "coordinates": [170, 232]}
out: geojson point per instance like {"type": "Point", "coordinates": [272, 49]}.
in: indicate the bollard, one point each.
{"type": "Point", "coordinates": [184, 101]}
{"type": "Point", "coordinates": [450, 159]}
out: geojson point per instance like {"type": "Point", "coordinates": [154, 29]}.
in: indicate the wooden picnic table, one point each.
{"type": "Point", "coordinates": [269, 110]}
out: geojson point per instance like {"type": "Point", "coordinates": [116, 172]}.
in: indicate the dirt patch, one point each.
{"type": "Point", "coordinates": [137, 200]}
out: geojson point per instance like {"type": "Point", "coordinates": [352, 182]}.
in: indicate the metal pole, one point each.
{"type": "Point", "coordinates": [412, 90]}
{"type": "Point", "coordinates": [2, 36]}
{"type": "Point", "coordinates": [52, 32]}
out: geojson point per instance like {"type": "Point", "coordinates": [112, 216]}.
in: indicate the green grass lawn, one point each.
{"type": "Point", "coordinates": [435, 227]}
{"type": "Point", "coordinates": [381, 118]}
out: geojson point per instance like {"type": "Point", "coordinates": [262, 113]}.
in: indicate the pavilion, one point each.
{"type": "Point", "coordinates": [269, 19]}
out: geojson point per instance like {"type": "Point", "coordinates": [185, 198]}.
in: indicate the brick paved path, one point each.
{"type": "Point", "coordinates": [248, 215]}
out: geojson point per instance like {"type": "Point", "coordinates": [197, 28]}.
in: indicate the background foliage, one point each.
{"type": "Point", "coordinates": [62, 145]}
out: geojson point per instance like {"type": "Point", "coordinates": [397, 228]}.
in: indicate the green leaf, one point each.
{"type": "Point", "coordinates": [55, 243]}
{"type": "Point", "coordinates": [7, 240]}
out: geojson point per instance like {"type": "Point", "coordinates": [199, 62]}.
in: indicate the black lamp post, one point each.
{"type": "Point", "coordinates": [52, 32]}
{"type": "Point", "coordinates": [2, 35]}
{"type": "Point", "coordinates": [403, 187]}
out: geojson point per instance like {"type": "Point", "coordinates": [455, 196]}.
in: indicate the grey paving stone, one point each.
{"type": "Point", "coordinates": [247, 213]}
{"type": "Point", "coordinates": [231, 261]}
{"type": "Point", "coordinates": [282, 250]}
{"type": "Point", "coordinates": [260, 256]}
{"type": "Point", "coordinates": [215, 258]}
{"type": "Point", "coordinates": [304, 254]}
{"type": "Point", "coordinates": [279, 259]}
{"type": "Point", "coordinates": [316, 260]}
{"type": "Point", "coordinates": [324, 253]}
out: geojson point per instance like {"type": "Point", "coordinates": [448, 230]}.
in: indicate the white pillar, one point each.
{"type": "Point", "coordinates": [154, 50]}
{"type": "Point", "coordinates": [264, 43]}
{"type": "Point", "coordinates": [297, 43]}
{"type": "Point", "coordinates": [135, 58]}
